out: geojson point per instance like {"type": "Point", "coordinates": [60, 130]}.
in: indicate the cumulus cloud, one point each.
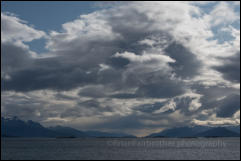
{"type": "Point", "coordinates": [15, 29]}
{"type": "Point", "coordinates": [223, 14]}
{"type": "Point", "coordinates": [145, 65]}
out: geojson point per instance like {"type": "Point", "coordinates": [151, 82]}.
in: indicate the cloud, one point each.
{"type": "Point", "coordinates": [202, 2]}
{"type": "Point", "coordinates": [95, 91]}
{"type": "Point", "coordinates": [230, 68]}
{"type": "Point", "coordinates": [223, 14]}
{"type": "Point", "coordinates": [15, 57]}
{"type": "Point", "coordinates": [217, 122]}
{"type": "Point", "coordinates": [154, 64]}
{"type": "Point", "coordinates": [145, 57]}
{"type": "Point", "coordinates": [228, 106]}
{"type": "Point", "coordinates": [15, 54]}
{"type": "Point", "coordinates": [15, 29]}
{"type": "Point", "coordinates": [163, 88]}
{"type": "Point", "coordinates": [186, 64]}
{"type": "Point", "coordinates": [82, 49]}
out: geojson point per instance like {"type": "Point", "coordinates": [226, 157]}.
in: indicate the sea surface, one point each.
{"type": "Point", "coordinates": [122, 149]}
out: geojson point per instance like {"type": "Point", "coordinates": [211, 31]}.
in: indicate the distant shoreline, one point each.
{"type": "Point", "coordinates": [3, 137]}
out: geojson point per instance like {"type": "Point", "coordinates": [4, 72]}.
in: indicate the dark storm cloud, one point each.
{"type": "Point", "coordinates": [231, 68]}
{"type": "Point", "coordinates": [181, 103]}
{"type": "Point", "coordinates": [224, 100]}
{"type": "Point", "coordinates": [184, 104]}
{"type": "Point", "coordinates": [96, 105]}
{"type": "Point", "coordinates": [61, 96]}
{"type": "Point", "coordinates": [78, 62]}
{"type": "Point", "coordinates": [215, 91]}
{"type": "Point", "coordinates": [150, 108]}
{"type": "Point", "coordinates": [68, 72]}
{"type": "Point", "coordinates": [164, 88]}
{"type": "Point", "coordinates": [93, 91]}
{"type": "Point", "coordinates": [85, 109]}
{"type": "Point", "coordinates": [58, 73]}
{"type": "Point", "coordinates": [124, 96]}
{"type": "Point", "coordinates": [14, 57]}
{"type": "Point", "coordinates": [41, 78]}
{"type": "Point", "coordinates": [187, 65]}
{"type": "Point", "coordinates": [228, 106]}
{"type": "Point", "coordinates": [118, 63]}
{"type": "Point", "coordinates": [161, 87]}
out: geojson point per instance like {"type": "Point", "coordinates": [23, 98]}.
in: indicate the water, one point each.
{"type": "Point", "coordinates": [110, 149]}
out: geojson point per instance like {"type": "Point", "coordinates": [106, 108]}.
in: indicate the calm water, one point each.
{"type": "Point", "coordinates": [102, 149]}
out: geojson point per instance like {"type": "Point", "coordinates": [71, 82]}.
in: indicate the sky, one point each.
{"type": "Point", "coordinates": [133, 67]}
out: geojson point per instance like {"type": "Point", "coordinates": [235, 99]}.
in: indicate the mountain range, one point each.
{"type": "Point", "coordinates": [14, 127]}
{"type": "Point", "coordinates": [199, 131]}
